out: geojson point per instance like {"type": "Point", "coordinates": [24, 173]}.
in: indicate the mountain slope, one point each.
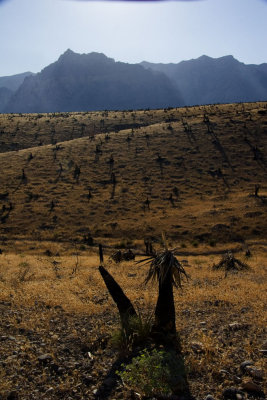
{"type": "Point", "coordinates": [86, 82]}
{"type": "Point", "coordinates": [5, 96]}
{"type": "Point", "coordinates": [209, 80]}
{"type": "Point", "coordinates": [78, 82]}
{"type": "Point", "coordinates": [13, 82]}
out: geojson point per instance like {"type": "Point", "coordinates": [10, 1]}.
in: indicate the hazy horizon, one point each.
{"type": "Point", "coordinates": [35, 33]}
{"type": "Point", "coordinates": [35, 72]}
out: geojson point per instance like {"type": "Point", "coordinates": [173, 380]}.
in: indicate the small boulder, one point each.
{"type": "Point", "coordinates": [254, 372]}
{"type": "Point", "coordinates": [197, 347]}
{"type": "Point", "coordinates": [209, 397]}
{"type": "Point", "coordinates": [233, 394]}
{"type": "Point", "coordinates": [245, 364]}
{"type": "Point", "coordinates": [45, 358]}
{"type": "Point", "coordinates": [13, 395]}
{"type": "Point", "coordinates": [235, 326]}
{"type": "Point", "coordinates": [263, 349]}
{"type": "Point", "coordinates": [253, 388]}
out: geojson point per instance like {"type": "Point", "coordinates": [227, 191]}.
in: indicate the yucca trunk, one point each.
{"type": "Point", "coordinates": [125, 307]}
{"type": "Point", "coordinates": [165, 310]}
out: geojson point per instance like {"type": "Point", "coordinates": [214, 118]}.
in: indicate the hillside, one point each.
{"type": "Point", "coordinates": [72, 181]}
{"type": "Point", "coordinates": [198, 176]}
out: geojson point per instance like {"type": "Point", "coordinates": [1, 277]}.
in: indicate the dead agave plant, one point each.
{"type": "Point", "coordinates": [168, 272]}
{"type": "Point", "coordinates": [229, 263]}
{"type": "Point", "coordinates": [162, 264]}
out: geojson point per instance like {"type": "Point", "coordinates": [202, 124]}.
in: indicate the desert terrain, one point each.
{"type": "Point", "coordinates": [72, 181]}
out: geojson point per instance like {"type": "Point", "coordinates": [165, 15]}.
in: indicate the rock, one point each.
{"type": "Point", "coordinates": [88, 380]}
{"type": "Point", "coordinates": [245, 364]}
{"type": "Point", "coordinates": [235, 326]}
{"type": "Point", "coordinates": [209, 397]}
{"type": "Point", "coordinates": [13, 395]}
{"type": "Point", "coordinates": [233, 394]}
{"type": "Point", "coordinates": [263, 349]}
{"type": "Point", "coordinates": [109, 382]}
{"type": "Point", "coordinates": [254, 372]}
{"type": "Point", "coordinates": [253, 388]}
{"type": "Point", "coordinates": [60, 370]}
{"type": "Point", "coordinates": [54, 368]}
{"type": "Point", "coordinates": [224, 371]}
{"type": "Point", "coordinates": [45, 358]}
{"type": "Point", "coordinates": [197, 347]}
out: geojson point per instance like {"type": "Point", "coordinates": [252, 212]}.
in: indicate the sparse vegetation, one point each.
{"type": "Point", "coordinates": [155, 373]}
{"type": "Point", "coordinates": [230, 264]}
{"type": "Point", "coordinates": [203, 181]}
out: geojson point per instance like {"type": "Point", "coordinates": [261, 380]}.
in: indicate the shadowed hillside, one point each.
{"type": "Point", "coordinates": [191, 172]}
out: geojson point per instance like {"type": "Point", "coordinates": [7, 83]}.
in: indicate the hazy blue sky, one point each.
{"type": "Point", "coordinates": [33, 33]}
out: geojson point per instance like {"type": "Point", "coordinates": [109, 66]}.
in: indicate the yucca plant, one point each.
{"type": "Point", "coordinates": [229, 263]}
{"type": "Point", "coordinates": [168, 272]}
{"type": "Point", "coordinates": [125, 307]}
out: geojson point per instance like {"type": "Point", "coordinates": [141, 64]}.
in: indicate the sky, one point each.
{"type": "Point", "coordinates": [34, 33]}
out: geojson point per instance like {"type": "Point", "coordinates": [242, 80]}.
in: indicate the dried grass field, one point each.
{"type": "Point", "coordinates": [69, 181]}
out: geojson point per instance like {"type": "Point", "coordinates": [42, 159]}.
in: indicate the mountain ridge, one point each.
{"type": "Point", "coordinates": [93, 81]}
{"type": "Point", "coordinates": [208, 80]}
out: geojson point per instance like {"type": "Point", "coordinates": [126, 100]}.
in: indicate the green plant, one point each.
{"type": "Point", "coordinates": [154, 373]}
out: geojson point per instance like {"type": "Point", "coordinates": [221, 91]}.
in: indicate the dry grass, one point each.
{"type": "Point", "coordinates": [48, 273]}
{"type": "Point", "coordinates": [208, 208]}
{"type": "Point", "coordinates": [205, 307]}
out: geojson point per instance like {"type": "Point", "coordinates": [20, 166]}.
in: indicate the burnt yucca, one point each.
{"type": "Point", "coordinates": [168, 272]}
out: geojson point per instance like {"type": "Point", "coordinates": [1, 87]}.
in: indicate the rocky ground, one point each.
{"type": "Point", "coordinates": [47, 353]}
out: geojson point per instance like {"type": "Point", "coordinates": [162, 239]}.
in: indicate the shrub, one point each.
{"type": "Point", "coordinates": [212, 243]}
{"type": "Point", "coordinates": [155, 373]}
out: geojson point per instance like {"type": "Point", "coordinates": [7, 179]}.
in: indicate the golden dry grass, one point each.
{"type": "Point", "coordinates": [152, 162]}
{"type": "Point", "coordinates": [46, 268]}
{"type": "Point", "coordinates": [205, 307]}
